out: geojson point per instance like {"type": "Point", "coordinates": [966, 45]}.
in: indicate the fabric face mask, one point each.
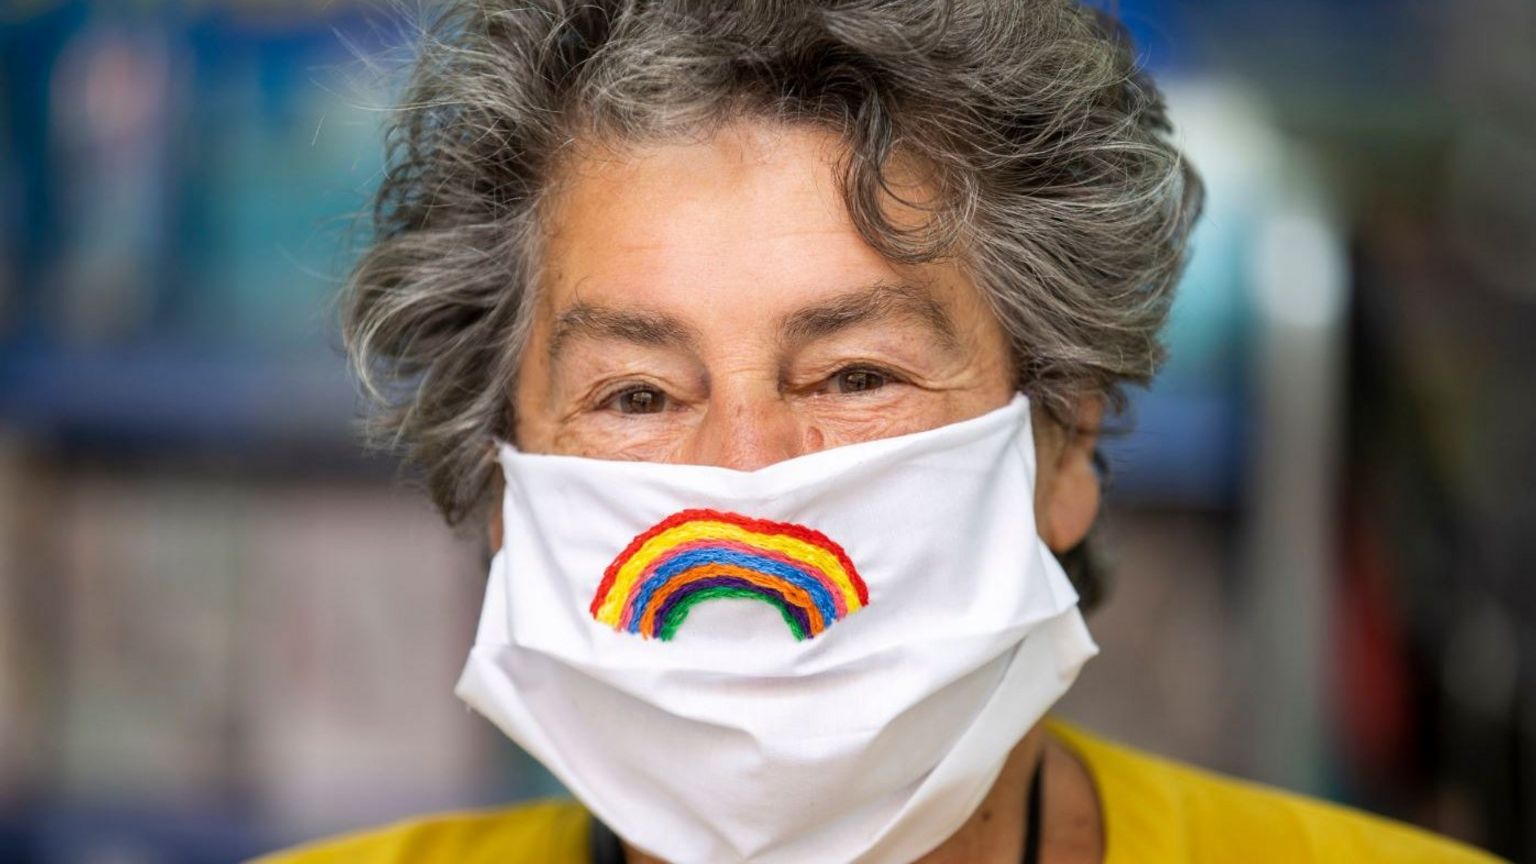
{"type": "Point", "coordinates": [824, 660]}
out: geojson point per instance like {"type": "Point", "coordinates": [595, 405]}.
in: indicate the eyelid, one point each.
{"type": "Point", "coordinates": [863, 366]}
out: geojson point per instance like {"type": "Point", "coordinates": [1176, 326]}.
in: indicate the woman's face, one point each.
{"type": "Point", "coordinates": [711, 302]}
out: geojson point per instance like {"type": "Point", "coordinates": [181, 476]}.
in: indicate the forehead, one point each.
{"type": "Point", "coordinates": [752, 214]}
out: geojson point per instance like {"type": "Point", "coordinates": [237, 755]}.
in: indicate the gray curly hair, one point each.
{"type": "Point", "coordinates": [1055, 184]}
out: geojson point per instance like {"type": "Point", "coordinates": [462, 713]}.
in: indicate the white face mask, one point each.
{"type": "Point", "coordinates": [824, 660]}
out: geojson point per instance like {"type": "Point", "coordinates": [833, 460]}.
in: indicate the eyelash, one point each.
{"type": "Point", "coordinates": [887, 376]}
{"type": "Point", "coordinates": [828, 384]}
{"type": "Point", "coordinates": [609, 398]}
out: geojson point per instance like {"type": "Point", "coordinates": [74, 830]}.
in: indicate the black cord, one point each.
{"type": "Point", "coordinates": [605, 845]}
{"type": "Point", "coordinates": [1032, 829]}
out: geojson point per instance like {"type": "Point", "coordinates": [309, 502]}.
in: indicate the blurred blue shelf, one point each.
{"type": "Point", "coordinates": [179, 395]}
{"type": "Point", "coordinates": [1185, 450]}
{"type": "Point", "coordinates": [55, 834]}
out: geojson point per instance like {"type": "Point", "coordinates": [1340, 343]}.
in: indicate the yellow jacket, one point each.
{"type": "Point", "coordinates": [1154, 811]}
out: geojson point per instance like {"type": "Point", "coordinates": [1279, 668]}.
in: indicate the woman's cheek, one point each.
{"type": "Point", "coordinates": [838, 421]}
{"type": "Point", "coordinates": [604, 435]}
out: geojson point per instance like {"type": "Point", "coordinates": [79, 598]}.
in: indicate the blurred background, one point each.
{"type": "Point", "coordinates": [223, 628]}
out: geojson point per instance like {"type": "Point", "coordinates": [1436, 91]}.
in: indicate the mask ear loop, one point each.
{"type": "Point", "coordinates": [1085, 564]}
{"type": "Point", "coordinates": [491, 503]}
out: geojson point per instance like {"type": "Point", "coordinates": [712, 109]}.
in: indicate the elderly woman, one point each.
{"type": "Point", "coordinates": [770, 341]}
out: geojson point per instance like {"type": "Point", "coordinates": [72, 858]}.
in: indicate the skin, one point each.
{"type": "Point", "coordinates": [710, 302]}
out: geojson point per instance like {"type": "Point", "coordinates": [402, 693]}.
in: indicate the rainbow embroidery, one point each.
{"type": "Point", "coordinates": [699, 555]}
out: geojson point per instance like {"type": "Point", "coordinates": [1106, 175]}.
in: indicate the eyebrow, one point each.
{"type": "Point", "coordinates": [879, 302]}
{"type": "Point", "coordinates": [585, 320]}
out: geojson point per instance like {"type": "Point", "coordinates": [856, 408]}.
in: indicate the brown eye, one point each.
{"type": "Point", "coordinates": [858, 380]}
{"type": "Point", "coordinates": [640, 400]}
